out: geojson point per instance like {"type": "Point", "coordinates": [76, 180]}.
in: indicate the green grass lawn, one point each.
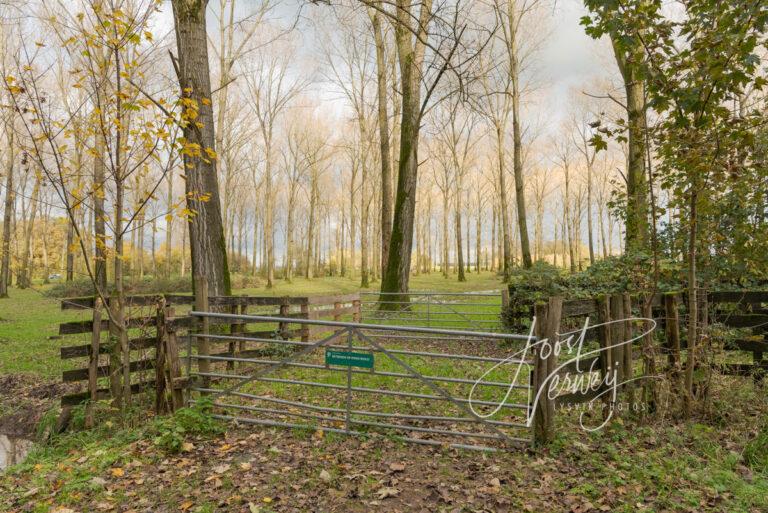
{"type": "Point", "coordinates": [28, 318]}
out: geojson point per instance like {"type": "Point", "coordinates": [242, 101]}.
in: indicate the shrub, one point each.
{"type": "Point", "coordinates": [172, 431]}
{"type": "Point", "coordinates": [756, 451]}
{"type": "Point", "coordinates": [147, 285]}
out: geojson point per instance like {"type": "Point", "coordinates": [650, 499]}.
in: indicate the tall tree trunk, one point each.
{"type": "Point", "coordinates": [309, 273]}
{"type": "Point", "coordinates": [411, 56]}
{"type": "Point", "coordinates": [169, 225]}
{"type": "Point", "coordinates": [517, 146]}
{"type": "Point", "coordinates": [206, 232]}
{"type": "Point", "coordinates": [10, 201]}
{"type": "Point", "coordinates": [478, 235]}
{"type": "Point", "coordinates": [459, 244]}
{"type": "Point", "coordinates": [364, 202]}
{"type": "Point", "coordinates": [386, 165]}
{"type": "Point", "coordinates": [24, 279]}
{"type": "Point", "coordinates": [445, 235]}
{"type": "Point", "coordinates": [506, 253]}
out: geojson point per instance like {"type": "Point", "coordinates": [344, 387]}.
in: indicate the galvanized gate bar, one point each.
{"type": "Point", "coordinates": [341, 412]}
{"type": "Point", "coordinates": [365, 372]}
{"type": "Point", "coordinates": [394, 393]}
{"type": "Point", "coordinates": [365, 413]}
{"type": "Point", "coordinates": [340, 324]}
{"type": "Point", "coordinates": [396, 351]}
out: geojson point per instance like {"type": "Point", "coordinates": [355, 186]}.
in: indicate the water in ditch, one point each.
{"type": "Point", "coordinates": [13, 450]}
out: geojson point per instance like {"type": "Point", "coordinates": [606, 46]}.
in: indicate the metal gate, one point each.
{"type": "Point", "coordinates": [467, 311]}
{"type": "Point", "coordinates": [423, 385]}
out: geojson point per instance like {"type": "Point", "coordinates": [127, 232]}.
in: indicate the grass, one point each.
{"type": "Point", "coordinates": [714, 462]}
{"type": "Point", "coordinates": [28, 319]}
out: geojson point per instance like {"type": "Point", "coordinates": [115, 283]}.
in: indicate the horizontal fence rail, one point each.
{"type": "Point", "coordinates": [469, 311]}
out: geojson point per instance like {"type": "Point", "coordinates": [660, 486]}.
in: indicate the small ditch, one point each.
{"type": "Point", "coordinates": [13, 450]}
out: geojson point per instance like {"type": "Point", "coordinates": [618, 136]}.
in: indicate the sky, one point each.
{"type": "Point", "coordinates": [567, 59]}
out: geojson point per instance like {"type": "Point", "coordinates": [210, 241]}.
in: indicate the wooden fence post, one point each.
{"type": "Point", "coordinates": [305, 314]}
{"type": "Point", "coordinates": [93, 363]}
{"type": "Point", "coordinates": [174, 364]}
{"type": "Point", "coordinates": [357, 315]}
{"type": "Point", "coordinates": [545, 362]}
{"type": "Point", "coordinates": [243, 311]}
{"type": "Point", "coordinates": [115, 361]}
{"type": "Point", "coordinates": [203, 347]}
{"type": "Point", "coordinates": [618, 336]}
{"type": "Point", "coordinates": [649, 355]}
{"type": "Point", "coordinates": [283, 326]}
{"type": "Point", "coordinates": [161, 402]}
{"type": "Point", "coordinates": [628, 358]}
{"type": "Point", "coordinates": [234, 330]}
{"type": "Point", "coordinates": [336, 308]}
{"type": "Point", "coordinates": [672, 331]}
{"type": "Point", "coordinates": [604, 338]}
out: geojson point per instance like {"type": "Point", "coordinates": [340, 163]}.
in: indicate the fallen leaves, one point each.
{"type": "Point", "coordinates": [117, 472]}
{"type": "Point", "coordinates": [386, 492]}
{"type": "Point", "coordinates": [221, 469]}
{"type": "Point", "coordinates": [397, 467]}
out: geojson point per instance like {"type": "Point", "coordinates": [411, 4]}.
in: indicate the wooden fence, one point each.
{"type": "Point", "coordinates": [159, 330]}
{"type": "Point", "coordinates": [743, 310]}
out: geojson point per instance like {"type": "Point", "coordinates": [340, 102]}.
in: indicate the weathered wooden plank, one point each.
{"type": "Point", "coordinates": [77, 303]}
{"type": "Point", "coordinates": [592, 363]}
{"type": "Point", "coordinates": [102, 393]}
{"type": "Point", "coordinates": [743, 369]}
{"type": "Point", "coordinates": [329, 300]}
{"type": "Point", "coordinates": [578, 398]}
{"type": "Point", "coordinates": [743, 320]}
{"type": "Point", "coordinates": [85, 350]}
{"type": "Point", "coordinates": [746, 345]}
{"type": "Point", "coordinates": [333, 312]}
{"type": "Point", "coordinates": [75, 327]}
{"type": "Point", "coordinates": [578, 307]}
{"type": "Point", "coordinates": [740, 296]}
{"type": "Point", "coordinates": [103, 370]}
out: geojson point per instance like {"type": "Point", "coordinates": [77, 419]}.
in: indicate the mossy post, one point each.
{"type": "Point", "coordinates": [203, 348]}
{"type": "Point", "coordinates": [649, 354]}
{"type": "Point", "coordinates": [604, 339]}
{"type": "Point", "coordinates": [544, 364]}
{"type": "Point", "coordinates": [672, 330]}
{"type": "Point", "coordinates": [93, 363]}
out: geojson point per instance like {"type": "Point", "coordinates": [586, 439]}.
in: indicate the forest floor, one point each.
{"type": "Point", "coordinates": [718, 461]}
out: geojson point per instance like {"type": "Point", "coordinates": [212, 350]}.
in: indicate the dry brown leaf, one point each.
{"type": "Point", "coordinates": [387, 491]}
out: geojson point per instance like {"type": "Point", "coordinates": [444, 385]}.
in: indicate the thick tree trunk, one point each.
{"type": "Point", "coordinates": [386, 166]}
{"type": "Point", "coordinates": [411, 56]}
{"type": "Point", "coordinates": [637, 229]}
{"type": "Point", "coordinates": [206, 232]}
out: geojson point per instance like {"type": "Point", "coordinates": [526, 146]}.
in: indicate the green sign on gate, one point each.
{"type": "Point", "coordinates": [348, 359]}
